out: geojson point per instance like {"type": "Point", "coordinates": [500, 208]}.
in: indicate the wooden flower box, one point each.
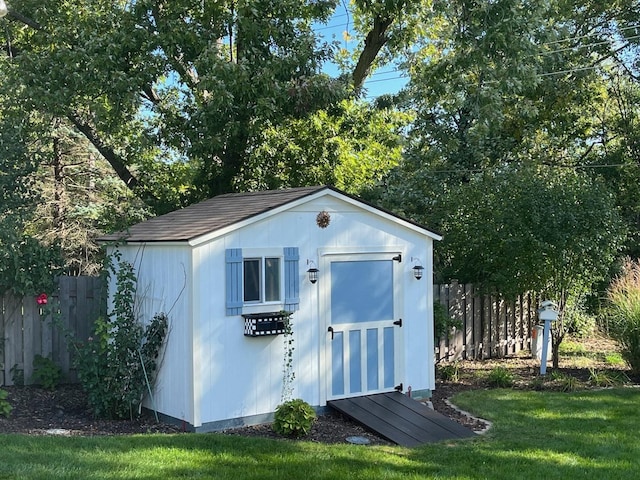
{"type": "Point", "coordinates": [262, 324]}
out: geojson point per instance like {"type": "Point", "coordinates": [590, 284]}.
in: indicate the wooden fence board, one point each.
{"type": "Point", "coordinates": [27, 330]}
{"type": "Point", "coordinates": [491, 327]}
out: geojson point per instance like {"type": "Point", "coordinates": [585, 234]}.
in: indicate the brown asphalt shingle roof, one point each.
{"type": "Point", "coordinates": [208, 216]}
{"type": "Point", "coordinates": [219, 212]}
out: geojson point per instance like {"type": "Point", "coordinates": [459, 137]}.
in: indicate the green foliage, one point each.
{"type": "Point", "coordinates": [577, 321]}
{"type": "Point", "coordinates": [449, 372]}
{"type": "Point", "coordinates": [443, 323]}
{"type": "Point", "coordinates": [624, 312]}
{"type": "Point", "coordinates": [117, 365]}
{"type": "Point", "coordinates": [351, 146]}
{"type": "Point", "coordinates": [294, 418]}
{"type": "Point", "coordinates": [564, 382]}
{"type": "Point", "coordinates": [528, 229]}
{"type": "Point", "coordinates": [46, 373]}
{"type": "Point", "coordinates": [500, 377]}
{"type": "Point", "coordinates": [603, 378]}
{"type": "Point", "coordinates": [5, 406]}
{"type": "Point", "coordinates": [28, 267]}
{"type": "Point", "coordinates": [174, 96]}
{"type": "Point", "coordinates": [288, 373]}
{"type": "Point", "coordinates": [17, 375]}
{"type": "Point", "coordinates": [614, 359]}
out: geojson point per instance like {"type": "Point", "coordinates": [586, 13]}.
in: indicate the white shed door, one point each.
{"type": "Point", "coordinates": [363, 344]}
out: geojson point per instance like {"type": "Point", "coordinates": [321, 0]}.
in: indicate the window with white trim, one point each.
{"type": "Point", "coordinates": [262, 276]}
{"type": "Point", "coordinates": [262, 279]}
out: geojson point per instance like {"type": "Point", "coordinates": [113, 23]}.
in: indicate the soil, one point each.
{"type": "Point", "coordinates": [65, 411]}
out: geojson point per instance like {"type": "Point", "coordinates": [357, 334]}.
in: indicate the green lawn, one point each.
{"type": "Point", "coordinates": [588, 434]}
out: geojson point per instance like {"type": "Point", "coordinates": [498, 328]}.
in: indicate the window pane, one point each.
{"type": "Point", "coordinates": [272, 279]}
{"type": "Point", "coordinates": [252, 280]}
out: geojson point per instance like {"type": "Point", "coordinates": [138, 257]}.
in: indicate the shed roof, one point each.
{"type": "Point", "coordinates": [219, 212]}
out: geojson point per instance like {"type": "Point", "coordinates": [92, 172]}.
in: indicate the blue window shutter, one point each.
{"type": "Point", "coordinates": [233, 279]}
{"type": "Point", "coordinates": [291, 279]}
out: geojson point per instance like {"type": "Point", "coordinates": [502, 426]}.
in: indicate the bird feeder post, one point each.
{"type": "Point", "coordinates": [548, 313]}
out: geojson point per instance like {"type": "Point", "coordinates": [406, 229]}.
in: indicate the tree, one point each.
{"type": "Point", "coordinates": [532, 229]}
{"type": "Point", "coordinates": [26, 265]}
{"type": "Point", "coordinates": [170, 83]}
{"type": "Point", "coordinates": [352, 146]}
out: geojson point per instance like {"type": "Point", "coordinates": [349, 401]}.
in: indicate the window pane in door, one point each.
{"type": "Point", "coordinates": [361, 291]}
{"type": "Point", "coordinates": [272, 279]}
{"type": "Point", "coordinates": [252, 280]}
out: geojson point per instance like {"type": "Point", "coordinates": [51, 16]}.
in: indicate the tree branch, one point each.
{"type": "Point", "coordinates": [110, 155]}
{"type": "Point", "coordinates": [376, 39]}
{"type": "Point", "coordinates": [26, 20]}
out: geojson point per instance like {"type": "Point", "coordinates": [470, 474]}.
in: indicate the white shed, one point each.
{"type": "Point", "coordinates": [224, 270]}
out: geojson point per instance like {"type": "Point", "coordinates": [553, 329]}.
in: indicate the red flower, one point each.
{"type": "Point", "coordinates": [41, 299]}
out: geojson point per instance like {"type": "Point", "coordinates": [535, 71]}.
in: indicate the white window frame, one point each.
{"type": "Point", "coordinates": [263, 255]}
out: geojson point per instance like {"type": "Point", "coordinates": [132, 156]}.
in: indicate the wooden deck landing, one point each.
{"type": "Point", "coordinates": [400, 419]}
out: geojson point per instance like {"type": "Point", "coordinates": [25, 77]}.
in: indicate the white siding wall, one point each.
{"type": "Point", "coordinates": [164, 285]}
{"type": "Point", "coordinates": [237, 376]}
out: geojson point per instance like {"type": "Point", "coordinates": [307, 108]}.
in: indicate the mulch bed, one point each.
{"type": "Point", "coordinates": [64, 411]}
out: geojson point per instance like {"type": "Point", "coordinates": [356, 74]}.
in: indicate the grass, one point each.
{"type": "Point", "coordinates": [551, 435]}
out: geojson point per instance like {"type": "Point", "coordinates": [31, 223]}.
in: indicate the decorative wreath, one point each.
{"type": "Point", "coordinates": [323, 219]}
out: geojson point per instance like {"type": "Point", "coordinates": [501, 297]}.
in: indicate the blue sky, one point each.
{"type": "Point", "coordinates": [385, 80]}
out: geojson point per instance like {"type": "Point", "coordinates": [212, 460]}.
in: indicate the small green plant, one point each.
{"type": "Point", "coordinates": [570, 348]}
{"type": "Point", "coordinates": [563, 382]}
{"type": "Point", "coordinates": [599, 378]}
{"type": "Point", "coordinates": [538, 383]}
{"type": "Point", "coordinates": [17, 375]}
{"type": "Point", "coordinates": [294, 418]}
{"type": "Point", "coordinates": [46, 373]}
{"type": "Point", "coordinates": [614, 359]}
{"type": "Point", "coordinates": [5, 406]}
{"type": "Point", "coordinates": [449, 372]}
{"type": "Point", "coordinates": [500, 377]}
{"type": "Point", "coordinates": [569, 384]}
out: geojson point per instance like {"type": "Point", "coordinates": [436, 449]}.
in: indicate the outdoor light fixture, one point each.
{"type": "Point", "coordinates": [418, 269]}
{"type": "Point", "coordinates": [313, 271]}
{"type": "Point", "coordinates": [3, 9]}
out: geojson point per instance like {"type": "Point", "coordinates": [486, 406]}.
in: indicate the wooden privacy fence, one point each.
{"type": "Point", "coordinates": [490, 327]}
{"type": "Point", "coordinates": [27, 329]}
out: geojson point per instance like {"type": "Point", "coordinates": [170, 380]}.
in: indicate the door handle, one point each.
{"type": "Point", "coordinates": [398, 322]}
{"type": "Point", "coordinates": [330, 329]}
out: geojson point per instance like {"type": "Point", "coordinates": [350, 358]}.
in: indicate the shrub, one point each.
{"type": "Point", "coordinates": [449, 372]}
{"type": "Point", "coordinates": [624, 313]}
{"type": "Point", "coordinates": [569, 383]}
{"type": "Point", "coordinates": [5, 406]}
{"type": "Point", "coordinates": [500, 377]}
{"type": "Point", "coordinates": [294, 418]}
{"type": "Point", "coordinates": [117, 365]}
{"type": "Point", "coordinates": [46, 373]}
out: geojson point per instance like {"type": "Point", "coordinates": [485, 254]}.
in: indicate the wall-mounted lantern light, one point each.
{"type": "Point", "coordinates": [418, 269]}
{"type": "Point", "coordinates": [313, 271]}
{"type": "Point", "coordinates": [3, 9]}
